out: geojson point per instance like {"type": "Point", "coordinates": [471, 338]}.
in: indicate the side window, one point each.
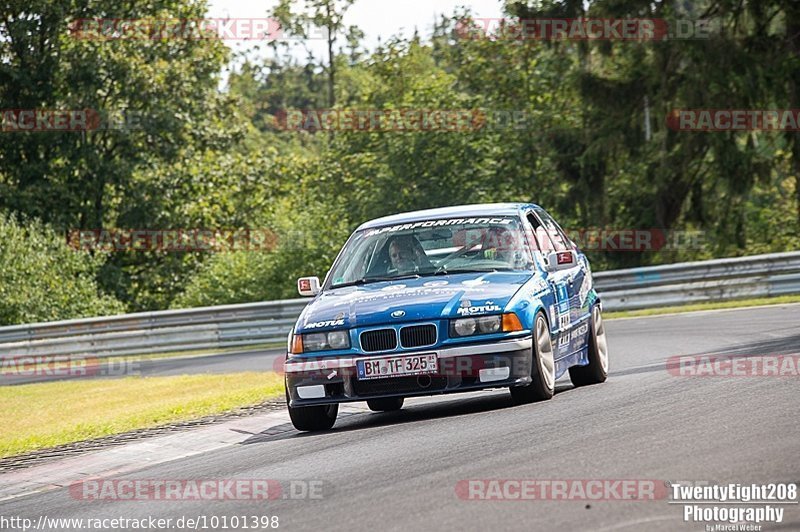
{"type": "Point", "coordinates": [556, 234]}
{"type": "Point", "coordinates": [541, 240]}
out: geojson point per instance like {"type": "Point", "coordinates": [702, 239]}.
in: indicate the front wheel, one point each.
{"type": "Point", "coordinates": [312, 418]}
{"type": "Point", "coordinates": [597, 369]}
{"type": "Point", "coordinates": [389, 404]}
{"type": "Point", "coordinates": [543, 367]}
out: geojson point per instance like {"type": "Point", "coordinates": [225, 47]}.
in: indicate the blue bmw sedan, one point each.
{"type": "Point", "coordinates": [442, 301]}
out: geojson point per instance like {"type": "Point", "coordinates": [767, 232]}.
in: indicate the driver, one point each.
{"type": "Point", "coordinates": [502, 244]}
{"type": "Point", "coordinates": [406, 255]}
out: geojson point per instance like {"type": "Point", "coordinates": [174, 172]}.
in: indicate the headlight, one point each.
{"type": "Point", "coordinates": [508, 322]}
{"type": "Point", "coordinates": [338, 339]}
{"type": "Point", "coordinates": [315, 342]}
{"type": "Point", "coordinates": [324, 341]}
{"type": "Point", "coordinates": [465, 327]}
{"type": "Point", "coordinates": [489, 324]}
{"type": "Point", "coordinates": [470, 326]}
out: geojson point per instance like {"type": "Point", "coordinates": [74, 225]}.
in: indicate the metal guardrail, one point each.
{"type": "Point", "coordinates": [255, 324]}
{"type": "Point", "coordinates": [198, 329]}
{"type": "Point", "coordinates": [769, 275]}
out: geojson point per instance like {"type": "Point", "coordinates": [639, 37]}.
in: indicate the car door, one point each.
{"type": "Point", "coordinates": [561, 312]}
{"type": "Point", "coordinates": [580, 280]}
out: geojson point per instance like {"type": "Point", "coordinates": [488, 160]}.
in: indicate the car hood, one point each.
{"type": "Point", "coordinates": [411, 300]}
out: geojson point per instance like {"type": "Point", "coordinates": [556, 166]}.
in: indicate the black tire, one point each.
{"type": "Point", "coordinates": [388, 404]}
{"type": "Point", "coordinates": [312, 418]}
{"type": "Point", "coordinates": [597, 369]}
{"type": "Point", "coordinates": [542, 386]}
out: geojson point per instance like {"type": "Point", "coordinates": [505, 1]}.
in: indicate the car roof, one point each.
{"type": "Point", "coordinates": [460, 211]}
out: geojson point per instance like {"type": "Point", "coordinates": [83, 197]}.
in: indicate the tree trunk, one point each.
{"type": "Point", "coordinates": [331, 62]}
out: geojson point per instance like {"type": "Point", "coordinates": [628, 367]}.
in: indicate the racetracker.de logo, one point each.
{"type": "Point", "coordinates": [176, 490]}
{"type": "Point", "coordinates": [226, 29]}
{"type": "Point", "coordinates": [14, 368]}
{"type": "Point", "coordinates": [631, 239]}
{"type": "Point", "coordinates": [734, 366]}
{"type": "Point", "coordinates": [22, 120]}
{"type": "Point", "coordinates": [72, 120]}
{"type": "Point", "coordinates": [381, 120]}
{"type": "Point", "coordinates": [734, 120]}
{"type": "Point", "coordinates": [561, 490]}
{"type": "Point", "coordinates": [584, 29]}
{"type": "Point", "coordinates": [172, 240]}
{"type": "Point", "coordinates": [49, 366]}
{"type": "Point", "coordinates": [464, 366]}
{"type": "Point", "coordinates": [563, 29]}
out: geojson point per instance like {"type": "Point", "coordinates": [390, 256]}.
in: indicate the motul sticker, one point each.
{"type": "Point", "coordinates": [329, 323]}
{"type": "Point", "coordinates": [467, 311]}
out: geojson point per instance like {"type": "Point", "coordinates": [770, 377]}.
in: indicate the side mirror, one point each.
{"type": "Point", "coordinates": [308, 286]}
{"type": "Point", "coordinates": [561, 260]}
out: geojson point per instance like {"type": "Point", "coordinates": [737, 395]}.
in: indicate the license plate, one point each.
{"type": "Point", "coordinates": [380, 368]}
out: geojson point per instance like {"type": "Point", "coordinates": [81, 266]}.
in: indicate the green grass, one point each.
{"type": "Point", "coordinates": [741, 303]}
{"type": "Point", "coordinates": [36, 416]}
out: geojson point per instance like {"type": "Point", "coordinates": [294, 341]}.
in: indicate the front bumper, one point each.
{"type": "Point", "coordinates": [460, 369]}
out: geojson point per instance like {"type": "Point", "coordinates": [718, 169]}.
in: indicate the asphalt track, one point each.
{"type": "Point", "coordinates": [399, 471]}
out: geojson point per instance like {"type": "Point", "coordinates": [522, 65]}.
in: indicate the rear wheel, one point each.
{"type": "Point", "coordinates": [312, 418]}
{"type": "Point", "coordinates": [543, 367]}
{"type": "Point", "coordinates": [597, 369]}
{"type": "Point", "coordinates": [388, 404]}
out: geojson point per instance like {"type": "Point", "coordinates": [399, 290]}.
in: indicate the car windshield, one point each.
{"type": "Point", "coordinates": [432, 247]}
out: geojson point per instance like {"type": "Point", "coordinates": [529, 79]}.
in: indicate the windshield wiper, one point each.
{"type": "Point", "coordinates": [366, 280]}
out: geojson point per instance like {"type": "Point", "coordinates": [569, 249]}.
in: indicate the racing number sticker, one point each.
{"type": "Point", "coordinates": [562, 298]}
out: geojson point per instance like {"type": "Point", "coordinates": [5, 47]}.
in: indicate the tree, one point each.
{"type": "Point", "coordinates": [42, 279]}
{"type": "Point", "coordinates": [158, 105]}
{"type": "Point", "coordinates": [327, 14]}
{"type": "Point", "coordinates": [162, 91]}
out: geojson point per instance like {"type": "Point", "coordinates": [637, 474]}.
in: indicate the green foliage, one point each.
{"type": "Point", "coordinates": [565, 128]}
{"type": "Point", "coordinates": [309, 236]}
{"type": "Point", "coordinates": [42, 279]}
